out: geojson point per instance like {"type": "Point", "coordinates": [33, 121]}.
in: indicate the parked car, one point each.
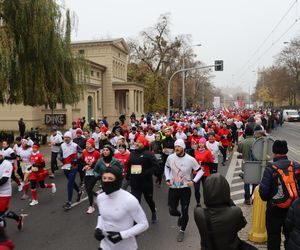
{"type": "Point", "coordinates": [290, 115]}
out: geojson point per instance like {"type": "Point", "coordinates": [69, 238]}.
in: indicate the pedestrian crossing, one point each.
{"type": "Point", "coordinates": [235, 181]}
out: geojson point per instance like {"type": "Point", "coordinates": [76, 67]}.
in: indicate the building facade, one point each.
{"type": "Point", "coordinates": [106, 91]}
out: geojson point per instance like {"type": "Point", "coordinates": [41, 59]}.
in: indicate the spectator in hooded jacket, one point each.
{"type": "Point", "coordinates": [292, 224]}
{"type": "Point", "coordinates": [221, 215]}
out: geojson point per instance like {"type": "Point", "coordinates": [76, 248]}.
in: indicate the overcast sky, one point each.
{"type": "Point", "coordinates": [230, 30]}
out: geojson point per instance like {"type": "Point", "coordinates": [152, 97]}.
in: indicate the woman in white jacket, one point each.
{"type": "Point", "coordinates": [121, 217]}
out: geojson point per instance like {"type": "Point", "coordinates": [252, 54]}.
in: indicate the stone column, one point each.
{"type": "Point", "coordinates": [142, 108]}
{"type": "Point", "coordinates": [127, 102]}
{"type": "Point", "coordinates": [131, 101]}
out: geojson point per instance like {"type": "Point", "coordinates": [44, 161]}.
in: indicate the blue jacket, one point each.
{"type": "Point", "coordinates": [269, 183]}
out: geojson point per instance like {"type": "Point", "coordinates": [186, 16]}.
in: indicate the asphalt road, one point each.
{"type": "Point", "coordinates": [290, 131]}
{"type": "Point", "coordinates": [48, 226]}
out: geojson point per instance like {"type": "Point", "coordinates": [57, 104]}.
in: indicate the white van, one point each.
{"type": "Point", "coordinates": [290, 115]}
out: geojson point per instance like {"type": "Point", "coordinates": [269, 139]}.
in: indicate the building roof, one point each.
{"type": "Point", "coordinates": [97, 65]}
{"type": "Point", "coordinates": [128, 84]}
{"type": "Point", "coordinates": [120, 43]}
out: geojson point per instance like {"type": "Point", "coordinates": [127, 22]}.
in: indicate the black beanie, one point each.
{"type": "Point", "coordinates": [116, 171]}
{"type": "Point", "coordinates": [249, 131]}
{"type": "Point", "coordinates": [258, 128]}
{"type": "Point", "coordinates": [251, 119]}
{"type": "Point", "coordinates": [280, 147]}
{"type": "Point", "coordinates": [110, 148]}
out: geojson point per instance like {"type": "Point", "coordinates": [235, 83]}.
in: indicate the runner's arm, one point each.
{"type": "Point", "coordinates": [139, 217]}
{"type": "Point", "coordinates": [12, 156]}
{"type": "Point", "coordinates": [167, 170]}
{"type": "Point", "coordinates": [198, 169]}
{"type": "Point", "coordinates": [3, 180]}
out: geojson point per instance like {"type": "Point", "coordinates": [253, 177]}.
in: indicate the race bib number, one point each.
{"type": "Point", "coordinates": [26, 167]}
{"type": "Point", "coordinates": [89, 172]}
{"type": "Point", "coordinates": [35, 169]}
{"type": "Point", "coordinates": [158, 156]}
{"type": "Point", "coordinates": [136, 169]}
{"type": "Point", "coordinates": [178, 184]}
{"type": "Point", "coordinates": [169, 151]}
{"type": "Point", "coordinates": [66, 166]}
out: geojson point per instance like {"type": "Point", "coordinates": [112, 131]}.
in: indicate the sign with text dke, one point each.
{"type": "Point", "coordinates": [56, 119]}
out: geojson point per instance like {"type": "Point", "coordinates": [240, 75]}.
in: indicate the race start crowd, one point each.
{"type": "Point", "coordinates": [185, 149]}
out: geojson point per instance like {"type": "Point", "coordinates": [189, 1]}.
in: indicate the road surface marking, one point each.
{"type": "Point", "coordinates": [237, 192]}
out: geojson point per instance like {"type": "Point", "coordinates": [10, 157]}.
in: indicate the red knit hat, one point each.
{"type": "Point", "coordinates": [79, 131]}
{"type": "Point", "coordinates": [91, 141]}
{"type": "Point", "coordinates": [143, 140]}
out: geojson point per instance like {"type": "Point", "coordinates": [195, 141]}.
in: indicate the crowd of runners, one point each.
{"type": "Point", "coordinates": [181, 151]}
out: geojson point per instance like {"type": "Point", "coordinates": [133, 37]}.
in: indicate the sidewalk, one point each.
{"type": "Point", "coordinates": [243, 234]}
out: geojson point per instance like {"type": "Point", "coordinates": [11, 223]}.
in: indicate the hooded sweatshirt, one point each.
{"type": "Point", "coordinates": [225, 218]}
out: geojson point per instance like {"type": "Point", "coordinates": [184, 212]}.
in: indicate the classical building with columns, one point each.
{"type": "Point", "coordinates": [106, 90]}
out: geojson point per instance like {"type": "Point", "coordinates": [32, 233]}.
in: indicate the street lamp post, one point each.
{"type": "Point", "coordinates": [176, 72]}
{"type": "Point", "coordinates": [183, 79]}
{"type": "Point", "coordinates": [183, 86]}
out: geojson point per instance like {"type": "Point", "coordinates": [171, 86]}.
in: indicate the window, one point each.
{"type": "Point", "coordinates": [92, 73]}
{"type": "Point", "coordinates": [81, 51]}
{"type": "Point", "coordinates": [98, 74]}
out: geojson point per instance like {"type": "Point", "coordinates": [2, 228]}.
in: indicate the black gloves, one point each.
{"type": "Point", "coordinates": [99, 234]}
{"type": "Point", "coordinates": [114, 237]}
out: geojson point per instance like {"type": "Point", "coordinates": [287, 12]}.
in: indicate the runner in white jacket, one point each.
{"type": "Point", "coordinates": [121, 216]}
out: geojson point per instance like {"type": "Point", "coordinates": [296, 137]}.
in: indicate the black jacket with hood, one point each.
{"type": "Point", "coordinates": [293, 225]}
{"type": "Point", "coordinates": [226, 220]}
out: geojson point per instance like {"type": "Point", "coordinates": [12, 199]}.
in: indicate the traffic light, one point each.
{"type": "Point", "coordinates": [171, 102]}
{"type": "Point", "coordinates": [219, 65]}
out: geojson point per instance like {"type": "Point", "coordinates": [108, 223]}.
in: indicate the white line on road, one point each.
{"type": "Point", "coordinates": [238, 202]}
{"type": "Point", "coordinates": [84, 199]}
{"type": "Point", "coordinates": [237, 184]}
{"type": "Point", "coordinates": [237, 192]}
{"type": "Point", "coordinates": [294, 150]}
{"type": "Point", "coordinates": [231, 168]}
{"type": "Point", "coordinates": [236, 178]}
{"type": "Point", "coordinates": [238, 171]}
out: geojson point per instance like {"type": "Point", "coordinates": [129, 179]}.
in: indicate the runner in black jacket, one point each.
{"type": "Point", "coordinates": [141, 166]}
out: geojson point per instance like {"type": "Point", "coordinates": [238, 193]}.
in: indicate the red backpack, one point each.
{"type": "Point", "coordinates": [287, 187]}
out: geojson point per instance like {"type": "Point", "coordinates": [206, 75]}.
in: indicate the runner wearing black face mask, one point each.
{"type": "Point", "coordinates": [118, 211]}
